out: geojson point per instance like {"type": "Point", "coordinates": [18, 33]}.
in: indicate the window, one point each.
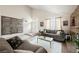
{"type": "Point", "coordinates": [58, 23]}
{"type": "Point", "coordinates": [48, 24]}
{"type": "Point", "coordinates": [53, 23]}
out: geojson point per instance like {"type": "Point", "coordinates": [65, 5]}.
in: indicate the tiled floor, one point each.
{"type": "Point", "coordinates": [56, 47]}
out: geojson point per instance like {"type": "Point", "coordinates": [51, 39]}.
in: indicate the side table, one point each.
{"type": "Point", "coordinates": [68, 37]}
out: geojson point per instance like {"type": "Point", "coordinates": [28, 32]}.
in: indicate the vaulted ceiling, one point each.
{"type": "Point", "coordinates": [56, 9]}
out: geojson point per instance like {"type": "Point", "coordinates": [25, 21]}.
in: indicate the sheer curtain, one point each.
{"type": "Point", "coordinates": [58, 23]}
{"type": "Point", "coordinates": [48, 24]}
{"type": "Point", "coordinates": [53, 23]}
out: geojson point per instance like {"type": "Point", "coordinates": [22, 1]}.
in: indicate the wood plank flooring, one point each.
{"type": "Point", "coordinates": [68, 47]}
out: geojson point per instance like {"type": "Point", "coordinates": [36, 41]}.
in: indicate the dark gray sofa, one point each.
{"type": "Point", "coordinates": [24, 47]}
{"type": "Point", "coordinates": [53, 33]}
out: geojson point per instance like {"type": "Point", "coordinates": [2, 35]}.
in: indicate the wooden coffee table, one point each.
{"type": "Point", "coordinates": [44, 38]}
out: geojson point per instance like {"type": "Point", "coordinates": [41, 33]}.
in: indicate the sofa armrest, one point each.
{"type": "Point", "coordinates": [41, 50]}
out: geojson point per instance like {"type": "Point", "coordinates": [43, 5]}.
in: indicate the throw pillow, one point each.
{"type": "Point", "coordinates": [58, 32]}
{"type": "Point", "coordinates": [63, 34]}
{"type": "Point", "coordinates": [15, 42]}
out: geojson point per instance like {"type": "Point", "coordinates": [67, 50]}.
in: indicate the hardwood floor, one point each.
{"type": "Point", "coordinates": [68, 47]}
{"type": "Point", "coordinates": [57, 47]}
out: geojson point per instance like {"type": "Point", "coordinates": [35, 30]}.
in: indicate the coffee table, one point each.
{"type": "Point", "coordinates": [44, 38]}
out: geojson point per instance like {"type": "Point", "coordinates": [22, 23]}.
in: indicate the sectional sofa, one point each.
{"type": "Point", "coordinates": [16, 45]}
{"type": "Point", "coordinates": [58, 35]}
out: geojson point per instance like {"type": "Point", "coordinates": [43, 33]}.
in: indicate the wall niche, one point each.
{"type": "Point", "coordinates": [74, 21]}
{"type": "Point", "coordinates": [10, 25]}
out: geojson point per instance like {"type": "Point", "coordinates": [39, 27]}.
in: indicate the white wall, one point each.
{"type": "Point", "coordinates": [42, 15]}
{"type": "Point", "coordinates": [16, 11]}
{"type": "Point", "coordinates": [66, 28]}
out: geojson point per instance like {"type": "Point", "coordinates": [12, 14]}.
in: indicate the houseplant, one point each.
{"type": "Point", "coordinates": [77, 43]}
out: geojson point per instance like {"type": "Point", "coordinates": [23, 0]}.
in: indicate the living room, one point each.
{"type": "Point", "coordinates": [41, 26]}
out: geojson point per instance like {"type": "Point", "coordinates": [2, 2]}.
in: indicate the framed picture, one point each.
{"type": "Point", "coordinates": [65, 23]}
{"type": "Point", "coordinates": [41, 24]}
{"type": "Point", "coordinates": [73, 21]}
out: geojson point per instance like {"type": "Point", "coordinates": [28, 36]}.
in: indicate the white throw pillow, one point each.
{"type": "Point", "coordinates": [58, 32]}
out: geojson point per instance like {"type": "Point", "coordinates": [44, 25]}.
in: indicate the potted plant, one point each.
{"type": "Point", "coordinates": [77, 43]}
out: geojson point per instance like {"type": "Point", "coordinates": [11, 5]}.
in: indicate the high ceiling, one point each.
{"type": "Point", "coordinates": [56, 9]}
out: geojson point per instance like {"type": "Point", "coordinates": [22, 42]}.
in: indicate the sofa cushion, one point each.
{"type": "Point", "coordinates": [58, 32]}
{"type": "Point", "coordinates": [5, 47]}
{"type": "Point", "coordinates": [15, 42]}
{"type": "Point", "coordinates": [26, 45]}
